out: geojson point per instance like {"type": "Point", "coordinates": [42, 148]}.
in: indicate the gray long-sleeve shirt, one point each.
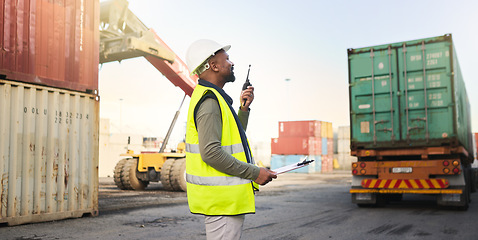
{"type": "Point", "coordinates": [209, 126]}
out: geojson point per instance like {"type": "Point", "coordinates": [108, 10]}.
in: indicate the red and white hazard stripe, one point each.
{"type": "Point", "coordinates": [405, 183]}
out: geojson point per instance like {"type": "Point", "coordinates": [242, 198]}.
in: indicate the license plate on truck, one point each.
{"type": "Point", "coordinates": [402, 170]}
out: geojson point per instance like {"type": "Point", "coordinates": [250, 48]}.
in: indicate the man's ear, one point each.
{"type": "Point", "coordinates": [213, 65]}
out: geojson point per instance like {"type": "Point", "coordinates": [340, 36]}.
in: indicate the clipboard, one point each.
{"type": "Point", "coordinates": [293, 166]}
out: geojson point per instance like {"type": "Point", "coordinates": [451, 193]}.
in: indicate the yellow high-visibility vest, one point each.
{"type": "Point", "coordinates": [211, 192]}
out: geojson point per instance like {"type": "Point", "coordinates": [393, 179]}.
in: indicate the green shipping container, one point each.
{"type": "Point", "coordinates": [408, 94]}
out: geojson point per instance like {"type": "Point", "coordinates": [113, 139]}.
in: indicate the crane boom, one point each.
{"type": "Point", "coordinates": [177, 71]}
{"type": "Point", "coordinates": [124, 36]}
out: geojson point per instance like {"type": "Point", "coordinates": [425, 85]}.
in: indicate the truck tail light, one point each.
{"type": "Point", "coordinates": [446, 163]}
{"type": "Point", "coordinates": [446, 170]}
{"type": "Point", "coordinates": [456, 163]}
{"type": "Point", "coordinates": [456, 170]}
{"type": "Point", "coordinates": [359, 168]}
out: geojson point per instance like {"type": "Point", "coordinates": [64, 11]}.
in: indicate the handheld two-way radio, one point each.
{"type": "Point", "coordinates": [246, 84]}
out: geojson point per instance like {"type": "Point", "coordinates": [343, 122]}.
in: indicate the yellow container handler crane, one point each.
{"type": "Point", "coordinates": [123, 36]}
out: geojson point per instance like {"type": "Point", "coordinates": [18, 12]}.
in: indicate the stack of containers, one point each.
{"type": "Point", "coordinates": [327, 136]}
{"type": "Point", "coordinates": [476, 144]}
{"type": "Point", "coordinates": [298, 139]}
{"type": "Point", "coordinates": [476, 151]}
{"type": "Point", "coordinates": [49, 108]}
{"type": "Point", "coordinates": [343, 148]}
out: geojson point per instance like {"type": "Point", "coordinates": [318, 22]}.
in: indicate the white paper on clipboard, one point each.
{"type": "Point", "coordinates": [293, 166]}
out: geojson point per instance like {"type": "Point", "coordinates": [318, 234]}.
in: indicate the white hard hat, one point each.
{"type": "Point", "coordinates": [199, 52]}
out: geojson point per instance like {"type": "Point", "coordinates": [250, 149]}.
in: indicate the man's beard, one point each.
{"type": "Point", "coordinates": [231, 77]}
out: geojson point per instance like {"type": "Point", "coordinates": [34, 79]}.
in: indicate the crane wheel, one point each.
{"type": "Point", "coordinates": [178, 175]}
{"type": "Point", "coordinates": [117, 174]}
{"type": "Point", "coordinates": [166, 174]}
{"type": "Point", "coordinates": [129, 178]}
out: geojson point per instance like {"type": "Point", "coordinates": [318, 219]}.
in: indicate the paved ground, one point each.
{"type": "Point", "coordinates": [293, 207]}
{"type": "Point", "coordinates": [112, 199]}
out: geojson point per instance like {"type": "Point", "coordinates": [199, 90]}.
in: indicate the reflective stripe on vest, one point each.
{"type": "Point", "coordinates": [216, 181]}
{"type": "Point", "coordinates": [231, 149]}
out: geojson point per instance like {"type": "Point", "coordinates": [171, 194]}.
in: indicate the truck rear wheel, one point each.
{"type": "Point", "coordinates": [117, 174]}
{"type": "Point", "coordinates": [178, 175]}
{"type": "Point", "coordinates": [467, 199]}
{"type": "Point", "coordinates": [166, 174]}
{"type": "Point", "coordinates": [129, 178]}
{"type": "Point", "coordinates": [456, 201]}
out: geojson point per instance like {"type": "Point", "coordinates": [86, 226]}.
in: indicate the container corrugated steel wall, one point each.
{"type": "Point", "coordinates": [299, 128]}
{"type": "Point", "coordinates": [52, 43]}
{"type": "Point", "coordinates": [343, 149]}
{"type": "Point", "coordinates": [476, 145]}
{"type": "Point", "coordinates": [318, 163]}
{"type": "Point", "coordinates": [48, 153]}
{"type": "Point", "coordinates": [330, 146]}
{"type": "Point", "coordinates": [324, 146]}
{"type": "Point", "coordinates": [324, 132]}
{"type": "Point", "coordinates": [343, 132]}
{"type": "Point", "coordinates": [327, 163]}
{"type": "Point", "coordinates": [330, 130]}
{"type": "Point", "coordinates": [296, 145]}
{"type": "Point", "coordinates": [408, 94]}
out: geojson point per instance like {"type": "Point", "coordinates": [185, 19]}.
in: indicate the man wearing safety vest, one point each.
{"type": "Point", "coordinates": [220, 171]}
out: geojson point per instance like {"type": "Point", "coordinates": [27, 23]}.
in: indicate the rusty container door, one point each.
{"type": "Point", "coordinates": [48, 153]}
{"type": "Point", "coordinates": [51, 43]}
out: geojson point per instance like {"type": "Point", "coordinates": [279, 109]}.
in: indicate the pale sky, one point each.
{"type": "Point", "coordinates": [304, 41]}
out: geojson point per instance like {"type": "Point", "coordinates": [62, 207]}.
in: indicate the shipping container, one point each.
{"type": "Point", "coordinates": [343, 156]}
{"type": "Point", "coordinates": [299, 128]}
{"type": "Point", "coordinates": [324, 130]}
{"type": "Point", "coordinates": [113, 145]}
{"type": "Point", "coordinates": [330, 130]}
{"type": "Point", "coordinates": [296, 146]}
{"type": "Point", "coordinates": [410, 123]}
{"type": "Point", "coordinates": [48, 153]}
{"type": "Point", "coordinates": [344, 132]}
{"type": "Point", "coordinates": [343, 146]}
{"type": "Point", "coordinates": [345, 160]}
{"type": "Point", "coordinates": [408, 94]}
{"type": "Point", "coordinates": [52, 43]}
{"type": "Point", "coordinates": [327, 163]}
{"type": "Point", "coordinates": [318, 163]}
{"type": "Point", "coordinates": [324, 147]}
{"type": "Point", "coordinates": [330, 146]}
{"type": "Point", "coordinates": [335, 141]}
{"type": "Point", "coordinates": [476, 145]}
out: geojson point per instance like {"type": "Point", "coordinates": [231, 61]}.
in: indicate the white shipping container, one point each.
{"type": "Point", "coordinates": [343, 146]}
{"type": "Point", "coordinates": [344, 132]}
{"type": "Point", "coordinates": [262, 153]}
{"type": "Point", "coordinates": [345, 161]}
{"type": "Point", "coordinates": [48, 153]}
{"type": "Point", "coordinates": [112, 145]}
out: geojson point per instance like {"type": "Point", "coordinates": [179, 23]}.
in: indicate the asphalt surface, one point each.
{"type": "Point", "coordinates": [295, 206]}
{"type": "Point", "coordinates": [112, 199]}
